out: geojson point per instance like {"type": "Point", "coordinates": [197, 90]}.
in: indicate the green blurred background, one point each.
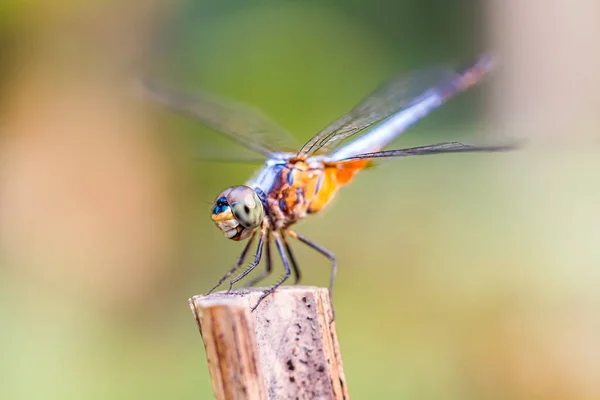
{"type": "Point", "coordinates": [460, 276]}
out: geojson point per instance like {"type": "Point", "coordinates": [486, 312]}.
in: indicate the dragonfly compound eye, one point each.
{"type": "Point", "coordinates": [246, 206]}
{"type": "Point", "coordinates": [237, 212]}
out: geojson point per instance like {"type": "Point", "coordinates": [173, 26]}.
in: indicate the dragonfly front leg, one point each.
{"type": "Point", "coordinates": [269, 262]}
{"type": "Point", "coordinates": [321, 250]}
{"type": "Point", "coordinates": [261, 241]}
{"type": "Point", "coordinates": [286, 264]}
{"type": "Point", "coordinates": [269, 269]}
{"type": "Point", "coordinates": [237, 265]}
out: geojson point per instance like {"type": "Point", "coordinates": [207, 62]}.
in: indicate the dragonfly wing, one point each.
{"type": "Point", "coordinates": [215, 153]}
{"type": "Point", "coordinates": [399, 94]}
{"type": "Point", "coordinates": [391, 97]}
{"type": "Point", "coordinates": [245, 125]}
{"type": "Point", "coordinates": [440, 148]}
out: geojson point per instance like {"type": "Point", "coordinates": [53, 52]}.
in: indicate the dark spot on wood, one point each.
{"type": "Point", "coordinates": [290, 365]}
{"type": "Point", "coordinates": [292, 379]}
{"type": "Point", "coordinates": [304, 299]}
{"type": "Point", "coordinates": [320, 368]}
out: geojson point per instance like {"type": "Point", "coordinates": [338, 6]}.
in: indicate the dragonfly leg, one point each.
{"type": "Point", "coordinates": [269, 262]}
{"type": "Point", "coordinates": [321, 250]}
{"type": "Point", "coordinates": [291, 258]}
{"type": "Point", "coordinates": [237, 265]}
{"type": "Point", "coordinates": [286, 264]}
{"type": "Point", "coordinates": [261, 241]}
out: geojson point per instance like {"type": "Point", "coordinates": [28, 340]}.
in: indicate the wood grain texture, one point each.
{"type": "Point", "coordinates": [286, 349]}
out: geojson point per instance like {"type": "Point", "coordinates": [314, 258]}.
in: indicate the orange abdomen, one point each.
{"type": "Point", "coordinates": [335, 175]}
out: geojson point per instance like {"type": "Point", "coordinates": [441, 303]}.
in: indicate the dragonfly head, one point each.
{"type": "Point", "coordinates": [238, 212]}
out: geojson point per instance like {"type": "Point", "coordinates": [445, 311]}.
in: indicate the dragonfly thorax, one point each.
{"type": "Point", "coordinates": [238, 212]}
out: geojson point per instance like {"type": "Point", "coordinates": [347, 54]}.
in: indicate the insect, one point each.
{"type": "Point", "coordinates": [295, 183]}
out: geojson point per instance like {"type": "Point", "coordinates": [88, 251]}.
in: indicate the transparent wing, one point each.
{"type": "Point", "coordinates": [391, 97]}
{"type": "Point", "coordinates": [205, 153]}
{"type": "Point", "coordinates": [440, 148]}
{"type": "Point", "coordinates": [245, 125]}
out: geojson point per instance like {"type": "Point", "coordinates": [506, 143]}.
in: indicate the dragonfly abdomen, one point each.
{"type": "Point", "coordinates": [335, 175]}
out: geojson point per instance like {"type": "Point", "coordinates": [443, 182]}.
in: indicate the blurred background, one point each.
{"type": "Point", "coordinates": [477, 277]}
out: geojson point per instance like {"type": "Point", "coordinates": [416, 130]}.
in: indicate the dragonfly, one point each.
{"type": "Point", "coordinates": [295, 182]}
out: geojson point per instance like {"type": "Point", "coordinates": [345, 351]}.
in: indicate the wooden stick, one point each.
{"type": "Point", "coordinates": [286, 349]}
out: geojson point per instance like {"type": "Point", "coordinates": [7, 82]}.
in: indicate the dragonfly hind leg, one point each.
{"type": "Point", "coordinates": [292, 259]}
{"type": "Point", "coordinates": [321, 250]}
{"type": "Point", "coordinates": [279, 242]}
